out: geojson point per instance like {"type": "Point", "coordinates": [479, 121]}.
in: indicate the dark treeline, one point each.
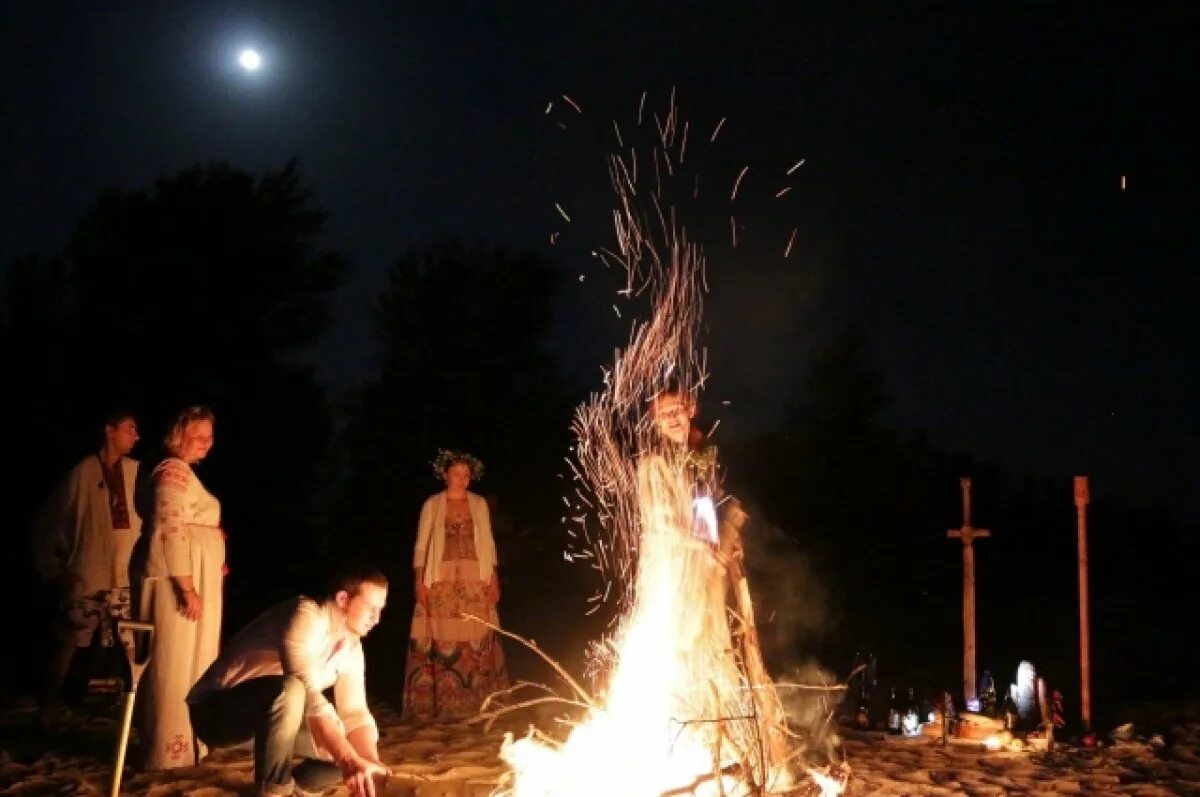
{"type": "Point", "coordinates": [211, 287]}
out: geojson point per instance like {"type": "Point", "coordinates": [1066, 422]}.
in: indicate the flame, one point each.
{"type": "Point", "coordinates": [830, 785]}
{"type": "Point", "coordinates": [680, 713]}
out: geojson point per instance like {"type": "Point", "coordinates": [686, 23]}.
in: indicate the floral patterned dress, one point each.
{"type": "Point", "coordinates": [453, 663]}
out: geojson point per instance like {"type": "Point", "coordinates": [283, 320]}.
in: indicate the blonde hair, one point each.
{"type": "Point", "coordinates": [174, 437]}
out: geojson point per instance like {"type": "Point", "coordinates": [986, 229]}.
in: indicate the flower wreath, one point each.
{"type": "Point", "coordinates": [447, 457]}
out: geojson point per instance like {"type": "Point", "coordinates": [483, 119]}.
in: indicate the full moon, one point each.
{"type": "Point", "coordinates": [250, 60]}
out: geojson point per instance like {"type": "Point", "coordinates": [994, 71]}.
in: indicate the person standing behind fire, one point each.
{"type": "Point", "coordinates": [182, 569]}
{"type": "Point", "coordinates": [82, 542]}
{"type": "Point", "coordinates": [678, 490]}
{"type": "Point", "coordinates": [454, 663]}
{"type": "Point", "coordinates": [683, 472]}
{"type": "Point", "coordinates": [695, 488]}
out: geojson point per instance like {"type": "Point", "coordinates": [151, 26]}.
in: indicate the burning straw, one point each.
{"type": "Point", "coordinates": [681, 712]}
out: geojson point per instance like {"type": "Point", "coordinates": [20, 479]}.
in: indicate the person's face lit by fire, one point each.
{"type": "Point", "coordinates": [122, 436]}
{"type": "Point", "coordinates": [196, 440]}
{"type": "Point", "coordinates": [672, 414]}
{"type": "Point", "coordinates": [458, 477]}
{"type": "Point", "coordinates": [364, 608]}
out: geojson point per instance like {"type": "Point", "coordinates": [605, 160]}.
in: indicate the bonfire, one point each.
{"type": "Point", "coordinates": [685, 704]}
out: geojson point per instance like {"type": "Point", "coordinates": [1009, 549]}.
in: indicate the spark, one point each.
{"type": "Point", "coordinates": [733, 230]}
{"type": "Point", "coordinates": [791, 240]}
{"type": "Point", "coordinates": [672, 118]}
{"type": "Point", "coordinates": [617, 310]}
{"type": "Point", "coordinates": [641, 107]}
{"type": "Point", "coordinates": [549, 105]}
{"type": "Point", "coordinates": [572, 103]}
{"type": "Point", "coordinates": [562, 212]}
{"type": "Point", "coordinates": [716, 130]}
{"type": "Point", "coordinates": [553, 238]}
{"type": "Point", "coordinates": [797, 165]}
{"type": "Point", "coordinates": [617, 130]}
{"type": "Point", "coordinates": [738, 182]}
{"type": "Point", "coordinates": [782, 191]}
{"type": "Point", "coordinates": [560, 124]}
{"type": "Point", "coordinates": [683, 143]}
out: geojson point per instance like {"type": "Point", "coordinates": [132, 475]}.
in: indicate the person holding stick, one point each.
{"type": "Point", "coordinates": [268, 685]}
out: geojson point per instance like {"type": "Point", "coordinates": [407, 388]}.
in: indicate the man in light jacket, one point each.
{"type": "Point", "coordinates": [268, 686]}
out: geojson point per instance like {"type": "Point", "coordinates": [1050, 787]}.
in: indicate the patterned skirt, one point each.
{"type": "Point", "coordinates": [453, 663]}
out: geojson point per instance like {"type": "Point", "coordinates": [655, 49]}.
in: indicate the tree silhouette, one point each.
{"type": "Point", "coordinates": [463, 365]}
{"type": "Point", "coordinates": [202, 289]}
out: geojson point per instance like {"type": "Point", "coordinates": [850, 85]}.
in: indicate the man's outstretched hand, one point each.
{"type": "Point", "coordinates": [359, 775]}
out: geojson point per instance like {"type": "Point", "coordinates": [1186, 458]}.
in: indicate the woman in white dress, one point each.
{"type": "Point", "coordinates": [181, 592]}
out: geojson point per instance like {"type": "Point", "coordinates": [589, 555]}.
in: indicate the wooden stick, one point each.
{"type": "Point", "coordinates": [529, 643]}
{"type": "Point", "coordinates": [488, 716]}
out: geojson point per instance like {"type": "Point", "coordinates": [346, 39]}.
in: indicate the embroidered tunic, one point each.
{"type": "Point", "coordinates": [87, 530]}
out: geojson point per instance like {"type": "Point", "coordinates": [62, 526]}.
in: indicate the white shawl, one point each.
{"type": "Point", "coordinates": [431, 536]}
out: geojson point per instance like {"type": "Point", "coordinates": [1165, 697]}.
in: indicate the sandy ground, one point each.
{"type": "Point", "coordinates": [461, 761]}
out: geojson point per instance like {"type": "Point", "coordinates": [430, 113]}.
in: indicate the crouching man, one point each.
{"type": "Point", "coordinates": [268, 686]}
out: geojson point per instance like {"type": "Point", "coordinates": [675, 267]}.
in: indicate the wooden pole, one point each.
{"type": "Point", "coordinates": [772, 719]}
{"type": "Point", "coordinates": [1085, 657]}
{"type": "Point", "coordinates": [968, 534]}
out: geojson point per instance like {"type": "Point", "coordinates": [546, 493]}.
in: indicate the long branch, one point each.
{"type": "Point", "coordinates": [488, 716]}
{"type": "Point", "coordinates": [529, 643]}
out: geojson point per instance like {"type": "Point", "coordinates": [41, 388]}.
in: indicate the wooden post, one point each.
{"type": "Point", "coordinates": [968, 534]}
{"type": "Point", "coordinates": [772, 719]}
{"type": "Point", "coordinates": [1085, 659]}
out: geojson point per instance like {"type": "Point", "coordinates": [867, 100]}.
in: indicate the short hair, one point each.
{"type": "Point", "coordinates": [113, 416]}
{"type": "Point", "coordinates": [350, 577]}
{"type": "Point", "coordinates": [174, 436]}
{"type": "Point", "coordinates": [673, 390]}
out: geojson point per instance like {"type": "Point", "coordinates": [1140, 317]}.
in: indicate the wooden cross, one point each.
{"type": "Point", "coordinates": [968, 534]}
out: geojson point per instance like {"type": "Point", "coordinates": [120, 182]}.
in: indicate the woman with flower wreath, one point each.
{"type": "Point", "coordinates": [454, 661]}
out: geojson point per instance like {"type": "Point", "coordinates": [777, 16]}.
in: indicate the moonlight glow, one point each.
{"type": "Point", "coordinates": [249, 59]}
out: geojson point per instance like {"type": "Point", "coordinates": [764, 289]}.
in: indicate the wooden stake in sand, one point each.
{"type": "Point", "coordinates": [968, 534]}
{"type": "Point", "coordinates": [1085, 655]}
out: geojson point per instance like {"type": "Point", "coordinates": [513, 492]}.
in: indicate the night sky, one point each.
{"type": "Point", "coordinates": [961, 198]}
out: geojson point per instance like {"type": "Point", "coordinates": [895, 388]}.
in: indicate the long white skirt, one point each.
{"type": "Point", "coordinates": [182, 650]}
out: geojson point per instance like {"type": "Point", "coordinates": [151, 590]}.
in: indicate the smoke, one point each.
{"type": "Point", "coordinates": [792, 608]}
{"type": "Point", "coordinates": [791, 599]}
